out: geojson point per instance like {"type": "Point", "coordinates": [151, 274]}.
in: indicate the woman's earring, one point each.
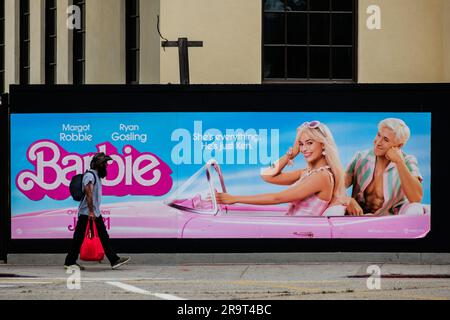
{"type": "Point", "coordinates": [324, 153]}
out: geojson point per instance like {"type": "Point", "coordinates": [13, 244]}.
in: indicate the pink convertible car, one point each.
{"type": "Point", "coordinates": [192, 212]}
{"type": "Point", "coordinates": [202, 217]}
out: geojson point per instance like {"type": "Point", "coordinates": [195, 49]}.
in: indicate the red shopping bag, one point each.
{"type": "Point", "coordinates": [91, 249]}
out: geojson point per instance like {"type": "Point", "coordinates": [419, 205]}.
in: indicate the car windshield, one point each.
{"type": "Point", "coordinates": [194, 194]}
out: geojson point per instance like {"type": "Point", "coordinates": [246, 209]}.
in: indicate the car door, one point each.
{"type": "Point", "coordinates": [256, 222]}
{"type": "Point", "coordinates": [380, 227]}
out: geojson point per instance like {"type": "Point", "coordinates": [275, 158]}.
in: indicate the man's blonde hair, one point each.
{"type": "Point", "coordinates": [401, 130]}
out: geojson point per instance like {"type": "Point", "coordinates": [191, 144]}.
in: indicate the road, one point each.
{"type": "Point", "coordinates": [227, 282]}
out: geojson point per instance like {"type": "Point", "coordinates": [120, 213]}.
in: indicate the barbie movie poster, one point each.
{"type": "Point", "coordinates": [227, 175]}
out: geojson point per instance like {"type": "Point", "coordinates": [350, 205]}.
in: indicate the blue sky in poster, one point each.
{"type": "Point", "coordinates": [352, 132]}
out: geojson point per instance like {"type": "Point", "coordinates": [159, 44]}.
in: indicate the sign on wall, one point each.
{"type": "Point", "coordinates": [205, 175]}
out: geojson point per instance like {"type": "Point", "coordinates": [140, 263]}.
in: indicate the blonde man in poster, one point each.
{"type": "Point", "coordinates": [385, 180]}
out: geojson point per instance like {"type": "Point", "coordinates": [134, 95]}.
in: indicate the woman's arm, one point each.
{"type": "Point", "coordinates": [274, 173]}
{"type": "Point", "coordinates": [311, 185]}
{"type": "Point", "coordinates": [284, 178]}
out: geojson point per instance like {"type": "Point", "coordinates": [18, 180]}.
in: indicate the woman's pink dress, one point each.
{"type": "Point", "coordinates": [312, 205]}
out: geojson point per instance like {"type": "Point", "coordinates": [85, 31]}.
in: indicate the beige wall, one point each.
{"type": "Point", "coordinates": [37, 42]}
{"type": "Point", "coordinates": [412, 46]}
{"type": "Point", "coordinates": [446, 34]}
{"type": "Point", "coordinates": [11, 43]}
{"type": "Point", "coordinates": [409, 46]}
{"type": "Point", "coordinates": [150, 42]}
{"type": "Point", "coordinates": [105, 41]}
{"type": "Point", "coordinates": [63, 44]}
{"type": "Point", "coordinates": [231, 32]}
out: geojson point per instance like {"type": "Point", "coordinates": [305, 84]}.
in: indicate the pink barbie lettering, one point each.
{"type": "Point", "coordinates": [130, 173]}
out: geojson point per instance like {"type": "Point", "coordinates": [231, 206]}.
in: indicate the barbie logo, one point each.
{"type": "Point", "coordinates": [132, 173]}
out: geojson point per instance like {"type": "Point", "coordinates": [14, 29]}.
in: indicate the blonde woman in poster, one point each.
{"type": "Point", "coordinates": [313, 189]}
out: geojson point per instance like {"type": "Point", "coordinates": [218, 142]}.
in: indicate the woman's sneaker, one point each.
{"type": "Point", "coordinates": [120, 262]}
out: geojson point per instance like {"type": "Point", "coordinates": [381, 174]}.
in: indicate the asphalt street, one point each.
{"type": "Point", "coordinates": [227, 282]}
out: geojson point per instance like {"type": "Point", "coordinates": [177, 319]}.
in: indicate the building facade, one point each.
{"type": "Point", "coordinates": [244, 42]}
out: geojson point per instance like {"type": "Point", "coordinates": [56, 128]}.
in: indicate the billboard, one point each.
{"type": "Point", "coordinates": [217, 175]}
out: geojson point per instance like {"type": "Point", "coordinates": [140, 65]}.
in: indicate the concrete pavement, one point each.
{"type": "Point", "coordinates": [227, 281]}
{"type": "Point", "coordinates": [254, 258]}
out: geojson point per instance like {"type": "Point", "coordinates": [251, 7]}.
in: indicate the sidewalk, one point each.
{"type": "Point", "coordinates": [293, 281]}
{"type": "Point", "coordinates": [250, 258]}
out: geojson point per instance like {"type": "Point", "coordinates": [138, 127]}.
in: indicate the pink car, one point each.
{"type": "Point", "coordinates": [193, 212]}
{"type": "Point", "coordinates": [202, 217]}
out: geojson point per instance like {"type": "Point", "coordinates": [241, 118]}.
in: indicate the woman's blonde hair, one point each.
{"type": "Point", "coordinates": [322, 134]}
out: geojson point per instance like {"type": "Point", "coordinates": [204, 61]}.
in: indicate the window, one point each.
{"type": "Point", "coordinates": [50, 41]}
{"type": "Point", "coordinates": [79, 46]}
{"type": "Point", "coordinates": [24, 41]}
{"type": "Point", "coordinates": [309, 40]}
{"type": "Point", "coordinates": [2, 46]}
{"type": "Point", "coordinates": [132, 41]}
